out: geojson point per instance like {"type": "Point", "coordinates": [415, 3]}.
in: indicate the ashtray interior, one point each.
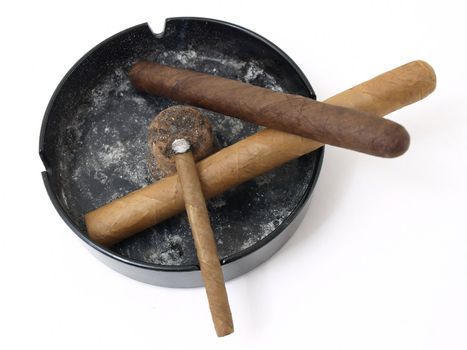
{"type": "Point", "coordinates": [94, 139]}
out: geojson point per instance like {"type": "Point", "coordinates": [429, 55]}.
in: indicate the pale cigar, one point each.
{"type": "Point", "coordinates": [206, 249]}
{"type": "Point", "coordinates": [252, 156]}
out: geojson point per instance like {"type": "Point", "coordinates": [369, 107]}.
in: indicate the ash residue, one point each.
{"type": "Point", "coordinates": [105, 146]}
{"type": "Point", "coordinates": [103, 156]}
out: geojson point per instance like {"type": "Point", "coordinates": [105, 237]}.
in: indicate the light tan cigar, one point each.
{"type": "Point", "coordinates": [252, 156]}
{"type": "Point", "coordinates": [206, 249]}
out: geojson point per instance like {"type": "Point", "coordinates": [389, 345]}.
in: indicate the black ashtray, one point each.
{"type": "Point", "coordinates": [93, 146]}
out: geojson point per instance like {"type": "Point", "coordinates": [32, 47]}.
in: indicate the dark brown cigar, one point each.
{"type": "Point", "coordinates": [333, 125]}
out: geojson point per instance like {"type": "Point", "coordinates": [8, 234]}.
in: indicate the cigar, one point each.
{"type": "Point", "coordinates": [203, 236]}
{"type": "Point", "coordinates": [252, 156]}
{"type": "Point", "coordinates": [326, 123]}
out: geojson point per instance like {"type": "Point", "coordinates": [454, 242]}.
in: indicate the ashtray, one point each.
{"type": "Point", "coordinates": [93, 144]}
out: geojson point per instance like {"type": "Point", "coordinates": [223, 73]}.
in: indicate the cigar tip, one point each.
{"type": "Point", "coordinates": [226, 330]}
{"type": "Point", "coordinates": [99, 229]}
{"type": "Point", "coordinates": [135, 70]}
{"type": "Point", "coordinates": [428, 74]}
{"type": "Point", "coordinates": [394, 142]}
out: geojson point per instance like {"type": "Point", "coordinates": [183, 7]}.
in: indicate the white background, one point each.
{"type": "Point", "coordinates": [380, 261]}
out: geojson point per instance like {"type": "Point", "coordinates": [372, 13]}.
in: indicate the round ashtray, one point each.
{"type": "Point", "coordinates": [93, 145]}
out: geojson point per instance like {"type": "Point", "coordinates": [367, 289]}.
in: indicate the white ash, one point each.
{"type": "Point", "coordinates": [266, 228]}
{"type": "Point", "coordinates": [217, 202]}
{"type": "Point", "coordinates": [166, 254]}
{"type": "Point", "coordinates": [180, 146]}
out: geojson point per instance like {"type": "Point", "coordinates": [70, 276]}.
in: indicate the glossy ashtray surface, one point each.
{"type": "Point", "coordinates": [94, 148]}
